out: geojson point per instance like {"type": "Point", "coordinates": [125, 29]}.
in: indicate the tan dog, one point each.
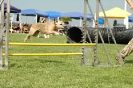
{"type": "Point", "coordinates": [45, 28]}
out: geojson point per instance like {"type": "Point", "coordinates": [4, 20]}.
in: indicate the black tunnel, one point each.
{"type": "Point", "coordinates": [121, 35]}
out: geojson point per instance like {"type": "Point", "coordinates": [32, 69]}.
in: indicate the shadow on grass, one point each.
{"type": "Point", "coordinates": [50, 61]}
{"type": "Point", "coordinates": [128, 61]}
{"type": "Point", "coordinates": [12, 65]}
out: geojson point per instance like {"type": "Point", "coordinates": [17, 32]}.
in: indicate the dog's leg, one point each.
{"type": "Point", "coordinates": [55, 33]}
{"type": "Point", "coordinates": [47, 35]}
{"type": "Point", "coordinates": [27, 37]}
{"type": "Point", "coordinates": [61, 33]}
{"type": "Point", "coordinates": [39, 35]}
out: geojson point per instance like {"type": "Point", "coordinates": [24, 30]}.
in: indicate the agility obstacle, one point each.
{"type": "Point", "coordinates": [82, 53]}
{"type": "Point", "coordinates": [46, 54]}
{"type": "Point", "coordinates": [84, 30]}
{"type": "Point", "coordinates": [48, 44]}
{"type": "Point", "coordinates": [5, 42]}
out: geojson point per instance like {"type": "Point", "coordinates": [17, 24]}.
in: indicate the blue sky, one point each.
{"type": "Point", "coordinates": [65, 6]}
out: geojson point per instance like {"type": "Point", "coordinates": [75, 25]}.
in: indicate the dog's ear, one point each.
{"type": "Point", "coordinates": [55, 21]}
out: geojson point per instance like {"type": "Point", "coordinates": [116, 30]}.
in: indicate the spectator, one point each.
{"type": "Point", "coordinates": [43, 20]}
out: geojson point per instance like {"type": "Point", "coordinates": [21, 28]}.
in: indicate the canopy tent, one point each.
{"type": "Point", "coordinates": [116, 13]}
{"type": "Point", "coordinates": [130, 18]}
{"type": "Point", "coordinates": [89, 16]}
{"type": "Point", "coordinates": [53, 14]}
{"type": "Point", "coordinates": [34, 12]}
{"type": "Point", "coordinates": [75, 15]}
{"type": "Point", "coordinates": [72, 15]}
{"type": "Point", "coordinates": [12, 9]}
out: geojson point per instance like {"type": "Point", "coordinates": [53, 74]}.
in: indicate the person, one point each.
{"type": "Point", "coordinates": [43, 20]}
{"type": "Point", "coordinates": [130, 3]}
{"type": "Point", "coordinates": [17, 28]}
{"type": "Point", "coordinates": [128, 49]}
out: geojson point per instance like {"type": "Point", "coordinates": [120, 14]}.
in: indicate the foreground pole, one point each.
{"type": "Point", "coordinates": [7, 34]}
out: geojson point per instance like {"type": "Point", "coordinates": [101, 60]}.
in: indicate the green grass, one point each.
{"type": "Point", "coordinates": [63, 71]}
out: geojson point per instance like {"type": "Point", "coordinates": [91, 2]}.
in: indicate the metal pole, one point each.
{"type": "Point", "coordinates": [1, 27]}
{"type": "Point", "coordinates": [20, 22]}
{"type": "Point", "coordinates": [84, 30]}
{"type": "Point", "coordinates": [96, 34]}
{"type": "Point", "coordinates": [7, 34]}
{"type": "Point", "coordinates": [1, 2]}
{"type": "Point", "coordinates": [110, 31]}
{"type": "Point", "coordinates": [36, 18]}
{"type": "Point", "coordinates": [91, 12]}
{"type": "Point", "coordinates": [99, 33]}
{"type": "Point", "coordinates": [125, 20]}
{"type": "Point", "coordinates": [84, 22]}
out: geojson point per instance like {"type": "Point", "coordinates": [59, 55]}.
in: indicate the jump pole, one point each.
{"type": "Point", "coordinates": [82, 54]}
{"type": "Point", "coordinates": [50, 44]}
{"type": "Point", "coordinates": [45, 54]}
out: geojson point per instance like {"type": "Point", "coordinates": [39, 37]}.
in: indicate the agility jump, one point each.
{"type": "Point", "coordinates": [48, 54]}
{"type": "Point", "coordinates": [7, 44]}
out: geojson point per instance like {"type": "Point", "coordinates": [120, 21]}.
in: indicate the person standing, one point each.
{"type": "Point", "coordinates": [43, 20]}
{"type": "Point", "coordinates": [128, 49]}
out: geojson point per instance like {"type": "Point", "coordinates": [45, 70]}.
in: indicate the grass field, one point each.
{"type": "Point", "coordinates": [63, 71]}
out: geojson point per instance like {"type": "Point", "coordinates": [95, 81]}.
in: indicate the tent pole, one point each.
{"type": "Point", "coordinates": [11, 22]}
{"type": "Point", "coordinates": [36, 19]}
{"type": "Point", "coordinates": [126, 18]}
{"type": "Point", "coordinates": [20, 22]}
{"type": "Point", "coordinates": [80, 22]}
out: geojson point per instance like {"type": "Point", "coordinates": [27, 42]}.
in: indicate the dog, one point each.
{"type": "Point", "coordinates": [45, 28]}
